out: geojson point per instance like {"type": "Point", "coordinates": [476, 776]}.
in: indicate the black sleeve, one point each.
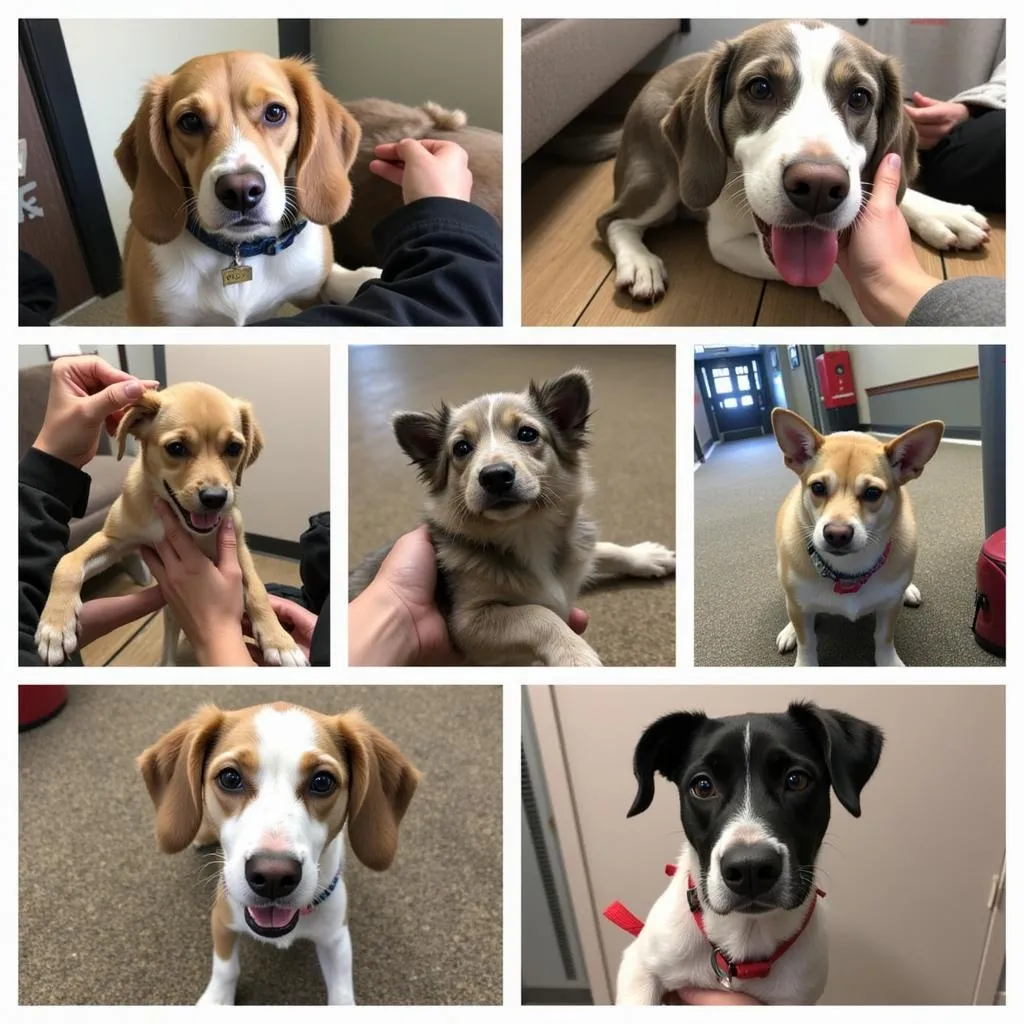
{"type": "Point", "coordinates": [320, 645]}
{"type": "Point", "coordinates": [441, 267]}
{"type": "Point", "coordinates": [50, 493]}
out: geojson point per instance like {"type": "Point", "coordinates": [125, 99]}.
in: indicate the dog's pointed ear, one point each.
{"type": "Point", "coordinates": [798, 440]}
{"type": "Point", "coordinates": [896, 131]}
{"type": "Point", "coordinates": [663, 748]}
{"type": "Point", "coordinates": [909, 453]}
{"type": "Point", "coordinates": [693, 128]}
{"type": "Point", "coordinates": [566, 402]}
{"type": "Point", "coordinates": [850, 747]}
{"type": "Point", "coordinates": [158, 207]}
{"type": "Point", "coordinates": [253, 437]}
{"type": "Point", "coordinates": [328, 143]}
{"type": "Point", "coordinates": [421, 435]}
{"type": "Point", "coordinates": [173, 772]}
{"type": "Point", "coordinates": [382, 783]}
{"type": "Point", "coordinates": [137, 419]}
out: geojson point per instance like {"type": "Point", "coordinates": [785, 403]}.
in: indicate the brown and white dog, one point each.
{"type": "Point", "coordinates": [846, 535]}
{"type": "Point", "coordinates": [238, 165]}
{"type": "Point", "coordinates": [278, 786]}
{"type": "Point", "coordinates": [777, 135]}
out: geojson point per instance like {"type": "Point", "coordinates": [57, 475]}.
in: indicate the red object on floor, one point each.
{"type": "Point", "coordinates": [990, 595]}
{"type": "Point", "coordinates": [36, 704]}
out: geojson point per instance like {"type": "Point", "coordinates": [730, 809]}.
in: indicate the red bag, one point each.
{"type": "Point", "coordinates": [989, 624]}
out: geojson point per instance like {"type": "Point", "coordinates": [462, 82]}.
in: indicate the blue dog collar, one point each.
{"type": "Point", "coordinates": [317, 900]}
{"type": "Point", "coordinates": [244, 250]}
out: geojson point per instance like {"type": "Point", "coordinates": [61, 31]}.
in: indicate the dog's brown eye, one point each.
{"type": "Point", "coordinates": [461, 449]}
{"type": "Point", "coordinates": [322, 784]}
{"type": "Point", "coordinates": [527, 435]}
{"type": "Point", "coordinates": [818, 489]}
{"type": "Point", "coordinates": [703, 788]}
{"type": "Point", "coordinates": [275, 114]}
{"type": "Point", "coordinates": [233, 449]}
{"type": "Point", "coordinates": [230, 780]}
{"type": "Point", "coordinates": [860, 99]}
{"type": "Point", "coordinates": [176, 450]}
{"type": "Point", "coordinates": [871, 494]}
{"type": "Point", "coordinates": [760, 89]}
{"type": "Point", "coordinates": [190, 123]}
{"type": "Point", "coordinates": [797, 781]}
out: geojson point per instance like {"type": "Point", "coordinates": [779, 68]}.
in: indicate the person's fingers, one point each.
{"type": "Point", "coordinates": [410, 151]}
{"type": "Point", "coordinates": [887, 182]}
{"type": "Point", "coordinates": [227, 544]}
{"type": "Point", "coordinates": [103, 614]}
{"type": "Point", "coordinates": [386, 151]}
{"type": "Point", "coordinates": [154, 563]}
{"type": "Point", "coordinates": [387, 171]}
{"type": "Point", "coordinates": [929, 115]}
{"type": "Point", "coordinates": [578, 620]}
{"type": "Point", "coordinates": [175, 545]}
{"type": "Point", "coordinates": [113, 398]}
{"type": "Point", "coordinates": [924, 101]}
{"type": "Point", "coordinates": [437, 147]}
{"type": "Point", "coordinates": [709, 997]}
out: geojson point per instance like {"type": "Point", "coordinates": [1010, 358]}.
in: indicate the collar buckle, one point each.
{"type": "Point", "coordinates": [724, 968]}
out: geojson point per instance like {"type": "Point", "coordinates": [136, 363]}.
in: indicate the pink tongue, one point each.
{"type": "Point", "coordinates": [272, 917]}
{"type": "Point", "coordinates": [203, 520]}
{"type": "Point", "coordinates": [804, 256]}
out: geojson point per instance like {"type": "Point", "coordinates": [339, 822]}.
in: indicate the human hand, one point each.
{"type": "Point", "coordinates": [85, 392]}
{"type": "Point", "coordinates": [876, 255]}
{"type": "Point", "coordinates": [299, 622]}
{"type": "Point", "coordinates": [102, 615]}
{"type": "Point", "coordinates": [710, 997]}
{"type": "Point", "coordinates": [205, 596]}
{"type": "Point", "coordinates": [424, 168]}
{"type": "Point", "coordinates": [934, 119]}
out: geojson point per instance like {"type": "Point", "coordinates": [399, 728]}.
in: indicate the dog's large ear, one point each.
{"type": "Point", "coordinates": [896, 131]}
{"type": "Point", "coordinates": [253, 437]}
{"type": "Point", "coordinates": [798, 440]}
{"type": "Point", "coordinates": [328, 144]}
{"type": "Point", "coordinates": [383, 782]}
{"type": "Point", "coordinates": [173, 772]}
{"type": "Point", "coordinates": [138, 419]}
{"type": "Point", "coordinates": [663, 748]}
{"type": "Point", "coordinates": [850, 747]}
{"type": "Point", "coordinates": [693, 128]}
{"type": "Point", "coordinates": [144, 155]}
{"type": "Point", "coordinates": [421, 436]}
{"type": "Point", "coordinates": [909, 453]}
{"type": "Point", "coordinates": [566, 402]}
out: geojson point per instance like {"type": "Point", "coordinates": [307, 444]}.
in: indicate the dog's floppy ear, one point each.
{"type": "Point", "coordinates": [908, 453]}
{"type": "Point", "coordinates": [693, 128]}
{"type": "Point", "coordinates": [662, 748]}
{"type": "Point", "coordinates": [253, 437]}
{"type": "Point", "coordinates": [566, 402]}
{"type": "Point", "coordinates": [382, 784]}
{"type": "Point", "coordinates": [144, 155]}
{"type": "Point", "coordinates": [328, 143]}
{"type": "Point", "coordinates": [421, 436]}
{"type": "Point", "coordinates": [138, 419]}
{"type": "Point", "coordinates": [896, 131]}
{"type": "Point", "coordinates": [850, 747]}
{"type": "Point", "coordinates": [173, 772]}
{"type": "Point", "coordinates": [796, 437]}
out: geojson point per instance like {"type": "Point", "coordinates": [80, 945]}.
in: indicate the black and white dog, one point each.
{"type": "Point", "coordinates": [754, 793]}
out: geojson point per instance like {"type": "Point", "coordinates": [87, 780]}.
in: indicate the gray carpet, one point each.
{"type": "Point", "coordinates": [105, 917]}
{"type": "Point", "coordinates": [738, 602]}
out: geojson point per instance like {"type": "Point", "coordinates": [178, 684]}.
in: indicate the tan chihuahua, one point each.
{"type": "Point", "coordinates": [845, 534]}
{"type": "Point", "coordinates": [196, 441]}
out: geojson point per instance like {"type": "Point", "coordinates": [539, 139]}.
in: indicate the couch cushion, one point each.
{"type": "Point", "coordinates": [107, 480]}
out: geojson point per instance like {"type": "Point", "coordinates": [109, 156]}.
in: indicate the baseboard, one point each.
{"type": "Point", "coordinates": [950, 433]}
{"type": "Point", "coordinates": [272, 545]}
{"type": "Point", "coordinates": [556, 997]}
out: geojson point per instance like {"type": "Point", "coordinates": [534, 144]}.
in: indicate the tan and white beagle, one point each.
{"type": "Point", "coordinates": [238, 164]}
{"type": "Point", "coordinates": [278, 786]}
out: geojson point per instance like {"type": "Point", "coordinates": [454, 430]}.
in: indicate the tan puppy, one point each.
{"type": "Point", "coordinates": [846, 535]}
{"type": "Point", "coordinates": [196, 441]}
{"type": "Point", "coordinates": [238, 164]}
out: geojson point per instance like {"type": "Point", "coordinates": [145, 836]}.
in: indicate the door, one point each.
{"type": "Point", "coordinates": [912, 886]}
{"type": "Point", "coordinates": [734, 389]}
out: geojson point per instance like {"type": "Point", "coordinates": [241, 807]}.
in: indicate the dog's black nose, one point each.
{"type": "Point", "coordinates": [273, 876]}
{"type": "Point", "coordinates": [751, 869]}
{"type": "Point", "coordinates": [213, 497]}
{"type": "Point", "coordinates": [498, 479]}
{"type": "Point", "coordinates": [816, 187]}
{"type": "Point", "coordinates": [240, 192]}
{"type": "Point", "coordinates": [838, 535]}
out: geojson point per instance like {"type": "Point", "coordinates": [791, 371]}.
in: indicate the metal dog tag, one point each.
{"type": "Point", "coordinates": [237, 273]}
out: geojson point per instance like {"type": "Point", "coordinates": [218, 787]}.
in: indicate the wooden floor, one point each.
{"type": "Point", "coordinates": [140, 643]}
{"type": "Point", "coordinates": [568, 278]}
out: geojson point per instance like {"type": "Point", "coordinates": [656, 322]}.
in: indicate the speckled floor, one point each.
{"type": "Point", "coordinates": [104, 917]}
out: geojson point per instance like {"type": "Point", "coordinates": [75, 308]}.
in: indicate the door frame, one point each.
{"type": "Point", "coordinates": [761, 392]}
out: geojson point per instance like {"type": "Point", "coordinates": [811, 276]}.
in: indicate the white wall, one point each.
{"type": "Point", "coordinates": [289, 388]}
{"type": "Point", "coordinates": [112, 59]}
{"type": "Point", "coordinates": [454, 62]}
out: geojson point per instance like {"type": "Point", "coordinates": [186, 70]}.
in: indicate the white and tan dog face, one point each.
{"type": "Point", "coordinates": [850, 480]}
{"type": "Point", "coordinates": [277, 783]}
{"type": "Point", "coordinates": [224, 135]}
{"type": "Point", "coordinates": [805, 112]}
{"type": "Point", "coordinates": [501, 456]}
{"type": "Point", "coordinates": [196, 441]}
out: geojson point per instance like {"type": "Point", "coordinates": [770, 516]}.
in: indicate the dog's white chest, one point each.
{"type": "Point", "coordinates": [819, 595]}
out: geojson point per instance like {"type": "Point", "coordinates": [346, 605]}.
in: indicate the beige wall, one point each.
{"type": "Point", "coordinates": [455, 62]}
{"type": "Point", "coordinates": [289, 387]}
{"type": "Point", "coordinates": [111, 60]}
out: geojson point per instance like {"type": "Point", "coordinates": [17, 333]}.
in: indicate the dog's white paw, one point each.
{"type": "Point", "coordinates": [57, 633]}
{"type": "Point", "coordinates": [341, 285]}
{"type": "Point", "coordinates": [217, 995]}
{"type": "Point", "coordinates": [651, 559]}
{"type": "Point", "coordinates": [284, 656]}
{"type": "Point", "coordinates": [888, 658]}
{"type": "Point", "coordinates": [951, 226]}
{"type": "Point", "coordinates": [912, 596]}
{"type": "Point", "coordinates": [642, 274]}
{"type": "Point", "coordinates": [573, 655]}
{"type": "Point", "coordinates": [786, 640]}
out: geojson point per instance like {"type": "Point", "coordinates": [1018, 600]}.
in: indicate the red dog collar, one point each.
{"type": "Point", "coordinates": [725, 969]}
{"type": "Point", "coordinates": [845, 583]}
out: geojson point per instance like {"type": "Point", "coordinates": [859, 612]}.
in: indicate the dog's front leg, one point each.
{"type": "Point", "coordinates": [276, 645]}
{"type": "Point", "coordinates": [224, 977]}
{"type": "Point", "coordinates": [335, 956]}
{"type": "Point", "coordinates": [498, 634]}
{"type": "Point", "coordinates": [885, 632]}
{"type": "Point", "coordinates": [800, 633]}
{"type": "Point", "coordinates": [742, 253]}
{"type": "Point", "coordinates": [635, 985]}
{"type": "Point", "coordinates": [341, 285]}
{"type": "Point", "coordinates": [644, 559]}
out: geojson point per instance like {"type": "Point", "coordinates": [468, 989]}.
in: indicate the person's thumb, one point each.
{"type": "Point", "coordinates": [227, 543]}
{"type": "Point", "coordinates": [113, 398]}
{"type": "Point", "coordinates": [410, 151]}
{"type": "Point", "coordinates": [924, 101]}
{"type": "Point", "coordinates": [887, 182]}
